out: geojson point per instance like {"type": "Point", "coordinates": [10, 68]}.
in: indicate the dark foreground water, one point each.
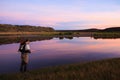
{"type": "Point", "coordinates": [57, 51]}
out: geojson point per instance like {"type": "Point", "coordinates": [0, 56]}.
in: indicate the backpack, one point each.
{"type": "Point", "coordinates": [22, 48]}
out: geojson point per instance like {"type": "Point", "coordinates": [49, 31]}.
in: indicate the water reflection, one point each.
{"type": "Point", "coordinates": [100, 37]}
{"type": "Point", "coordinates": [16, 39]}
{"type": "Point", "coordinates": [61, 38]}
{"type": "Point", "coordinates": [57, 52]}
{"type": "Point", "coordinates": [69, 38]}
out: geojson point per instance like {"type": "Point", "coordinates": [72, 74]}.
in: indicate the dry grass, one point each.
{"type": "Point", "coordinates": [97, 70]}
{"type": "Point", "coordinates": [60, 33]}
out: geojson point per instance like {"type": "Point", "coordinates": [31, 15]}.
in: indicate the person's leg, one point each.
{"type": "Point", "coordinates": [25, 67]}
{"type": "Point", "coordinates": [26, 58]}
{"type": "Point", "coordinates": [22, 63]}
{"type": "Point", "coordinates": [25, 61]}
{"type": "Point", "coordinates": [22, 66]}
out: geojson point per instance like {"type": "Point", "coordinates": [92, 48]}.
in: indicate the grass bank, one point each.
{"type": "Point", "coordinates": [27, 33]}
{"type": "Point", "coordinates": [97, 70]}
{"type": "Point", "coordinates": [74, 34]}
{"type": "Point", "coordinates": [106, 35]}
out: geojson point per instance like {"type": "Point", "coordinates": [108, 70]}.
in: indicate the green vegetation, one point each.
{"type": "Point", "coordinates": [106, 35]}
{"type": "Point", "coordinates": [7, 29]}
{"type": "Point", "coordinates": [28, 33]}
{"type": "Point", "coordinates": [19, 30]}
{"type": "Point", "coordinates": [66, 33]}
{"type": "Point", "coordinates": [96, 70]}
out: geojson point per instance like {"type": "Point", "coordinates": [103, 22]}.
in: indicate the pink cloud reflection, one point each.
{"type": "Point", "coordinates": [68, 48]}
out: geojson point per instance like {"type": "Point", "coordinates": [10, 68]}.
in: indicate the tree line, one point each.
{"type": "Point", "coordinates": [24, 28]}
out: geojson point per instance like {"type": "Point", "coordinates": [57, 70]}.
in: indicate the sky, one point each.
{"type": "Point", "coordinates": [61, 14]}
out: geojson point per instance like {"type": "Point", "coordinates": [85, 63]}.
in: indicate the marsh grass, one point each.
{"type": "Point", "coordinates": [73, 34]}
{"type": "Point", "coordinates": [27, 33]}
{"type": "Point", "coordinates": [106, 35]}
{"type": "Point", "coordinates": [96, 70]}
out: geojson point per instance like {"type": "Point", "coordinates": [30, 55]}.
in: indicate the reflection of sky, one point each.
{"type": "Point", "coordinates": [79, 44]}
{"type": "Point", "coordinates": [57, 52]}
{"type": "Point", "coordinates": [9, 49]}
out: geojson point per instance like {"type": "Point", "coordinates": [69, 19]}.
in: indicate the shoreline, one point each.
{"type": "Point", "coordinates": [15, 38]}
{"type": "Point", "coordinates": [107, 69]}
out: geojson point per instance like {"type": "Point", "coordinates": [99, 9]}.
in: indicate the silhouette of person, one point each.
{"type": "Point", "coordinates": [24, 48]}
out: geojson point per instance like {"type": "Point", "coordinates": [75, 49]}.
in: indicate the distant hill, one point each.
{"type": "Point", "coordinates": [85, 30]}
{"type": "Point", "coordinates": [28, 28]}
{"type": "Point", "coordinates": [23, 28]}
{"type": "Point", "coordinates": [112, 29]}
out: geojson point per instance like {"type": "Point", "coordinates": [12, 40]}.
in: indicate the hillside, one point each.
{"type": "Point", "coordinates": [23, 28]}
{"type": "Point", "coordinates": [28, 28]}
{"type": "Point", "coordinates": [84, 30]}
{"type": "Point", "coordinates": [111, 29]}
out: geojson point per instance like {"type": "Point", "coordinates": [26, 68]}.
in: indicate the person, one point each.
{"type": "Point", "coordinates": [24, 48]}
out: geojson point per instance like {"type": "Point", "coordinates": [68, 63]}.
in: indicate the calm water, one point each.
{"type": "Point", "coordinates": [58, 52]}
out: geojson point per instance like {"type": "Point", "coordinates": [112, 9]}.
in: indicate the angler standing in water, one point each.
{"type": "Point", "coordinates": [25, 50]}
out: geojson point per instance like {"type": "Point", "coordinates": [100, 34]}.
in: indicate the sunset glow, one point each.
{"type": "Point", "coordinates": [61, 14]}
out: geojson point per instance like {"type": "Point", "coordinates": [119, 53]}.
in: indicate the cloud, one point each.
{"type": "Point", "coordinates": [72, 14]}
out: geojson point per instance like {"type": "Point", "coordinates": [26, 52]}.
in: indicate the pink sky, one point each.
{"type": "Point", "coordinates": [60, 14]}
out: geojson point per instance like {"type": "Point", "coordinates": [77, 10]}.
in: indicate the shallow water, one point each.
{"type": "Point", "coordinates": [57, 51]}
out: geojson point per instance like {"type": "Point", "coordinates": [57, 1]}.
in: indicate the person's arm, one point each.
{"type": "Point", "coordinates": [19, 49]}
{"type": "Point", "coordinates": [29, 49]}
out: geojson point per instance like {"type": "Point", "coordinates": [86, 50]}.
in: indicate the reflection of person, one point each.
{"type": "Point", "coordinates": [25, 50]}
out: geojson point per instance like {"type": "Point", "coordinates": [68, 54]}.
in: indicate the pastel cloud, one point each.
{"type": "Point", "coordinates": [62, 14]}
